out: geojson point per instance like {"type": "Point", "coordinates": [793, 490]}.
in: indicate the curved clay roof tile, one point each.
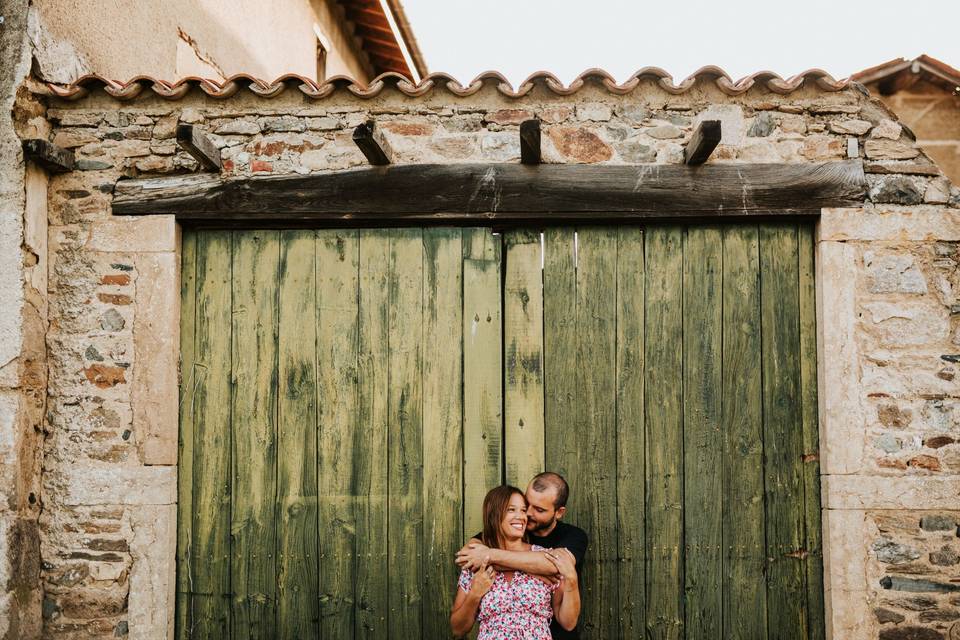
{"type": "Point", "coordinates": [174, 91]}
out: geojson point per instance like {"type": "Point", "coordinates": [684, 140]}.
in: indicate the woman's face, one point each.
{"type": "Point", "coordinates": [514, 523]}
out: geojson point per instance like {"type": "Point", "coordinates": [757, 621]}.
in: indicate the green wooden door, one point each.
{"type": "Point", "coordinates": [349, 396]}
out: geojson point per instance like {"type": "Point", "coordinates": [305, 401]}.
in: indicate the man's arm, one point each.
{"type": "Point", "coordinates": [533, 562]}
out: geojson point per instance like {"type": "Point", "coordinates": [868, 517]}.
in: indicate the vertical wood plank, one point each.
{"type": "Point", "coordinates": [188, 384]}
{"type": "Point", "coordinates": [442, 424]}
{"type": "Point", "coordinates": [211, 489]}
{"type": "Point", "coordinates": [664, 441]}
{"type": "Point", "coordinates": [811, 439]}
{"type": "Point", "coordinates": [630, 432]}
{"type": "Point", "coordinates": [744, 591]}
{"type": "Point", "coordinates": [560, 352]}
{"type": "Point", "coordinates": [592, 468]}
{"type": "Point", "coordinates": [482, 373]}
{"type": "Point", "coordinates": [371, 437]}
{"type": "Point", "coordinates": [256, 258]}
{"type": "Point", "coordinates": [523, 358]}
{"type": "Point", "coordinates": [298, 555]}
{"type": "Point", "coordinates": [340, 448]}
{"type": "Point", "coordinates": [405, 434]}
{"type": "Point", "coordinates": [703, 442]}
{"type": "Point", "coordinates": [782, 431]}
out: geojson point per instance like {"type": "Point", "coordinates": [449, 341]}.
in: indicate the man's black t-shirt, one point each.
{"type": "Point", "coordinates": [575, 540]}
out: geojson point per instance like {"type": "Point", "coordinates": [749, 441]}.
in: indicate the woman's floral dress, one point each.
{"type": "Point", "coordinates": [516, 609]}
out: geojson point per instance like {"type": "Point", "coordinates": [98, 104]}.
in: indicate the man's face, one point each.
{"type": "Point", "coordinates": [541, 513]}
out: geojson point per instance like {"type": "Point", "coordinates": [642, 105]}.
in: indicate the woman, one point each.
{"type": "Point", "coordinates": [513, 605]}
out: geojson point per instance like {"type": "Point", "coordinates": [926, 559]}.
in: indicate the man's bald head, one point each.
{"type": "Point", "coordinates": [549, 481]}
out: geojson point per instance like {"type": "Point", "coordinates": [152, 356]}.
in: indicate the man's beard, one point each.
{"type": "Point", "coordinates": [538, 526]}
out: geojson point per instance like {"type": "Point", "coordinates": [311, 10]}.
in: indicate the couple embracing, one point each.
{"type": "Point", "coordinates": [520, 575]}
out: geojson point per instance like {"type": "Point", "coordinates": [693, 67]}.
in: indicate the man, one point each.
{"type": "Point", "coordinates": [546, 496]}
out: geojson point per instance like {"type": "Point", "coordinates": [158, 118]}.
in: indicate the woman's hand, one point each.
{"type": "Point", "coordinates": [566, 566]}
{"type": "Point", "coordinates": [482, 580]}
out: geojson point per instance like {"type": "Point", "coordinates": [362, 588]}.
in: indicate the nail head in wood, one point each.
{"type": "Point", "coordinates": [198, 145]}
{"type": "Point", "coordinates": [48, 155]}
{"type": "Point", "coordinates": [702, 143]}
{"type": "Point", "coordinates": [371, 144]}
{"type": "Point", "coordinates": [530, 142]}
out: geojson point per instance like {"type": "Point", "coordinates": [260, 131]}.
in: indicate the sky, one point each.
{"type": "Point", "coordinates": [518, 37]}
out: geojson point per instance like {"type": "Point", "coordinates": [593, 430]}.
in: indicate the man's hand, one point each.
{"type": "Point", "coordinates": [472, 556]}
{"type": "Point", "coordinates": [566, 565]}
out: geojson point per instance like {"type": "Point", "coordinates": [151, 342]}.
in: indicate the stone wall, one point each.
{"type": "Point", "coordinates": [888, 318]}
{"type": "Point", "coordinates": [22, 328]}
{"type": "Point", "coordinates": [933, 113]}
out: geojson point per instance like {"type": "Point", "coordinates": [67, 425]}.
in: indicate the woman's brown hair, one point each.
{"type": "Point", "coordinates": [494, 508]}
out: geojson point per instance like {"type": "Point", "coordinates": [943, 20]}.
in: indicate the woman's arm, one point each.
{"type": "Point", "coordinates": [467, 603]}
{"type": "Point", "coordinates": [464, 615]}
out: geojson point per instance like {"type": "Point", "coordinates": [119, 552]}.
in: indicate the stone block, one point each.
{"type": "Point", "coordinates": [889, 150]}
{"type": "Point", "coordinates": [937, 192]}
{"type": "Point", "coordinates": [888, 492]}
{"type": "Point", "coordinates": [156, 340]}
{"type": "Point", "coordinates": [508, 116]}
{"type": "Point", "coordinates": [579, 145]}
{"type": "Point", "coordinates": [112, 485]}
{"type": "Point", "coordinates": [238, 127]}
{"type": "Point", "coordinates": [845, 575]}
{"type": "Point", "coordinates": [842, 420]}
{"type": "Point", "coordinates": [850, 127]}
{"type": "Point", "coordinates": [153, 548]}
{"type": "Point", "coordinates": [918, 224]}
{"type": "Point", "coordinates": [895, 190]}
{"type": "Point", "coordinates": [893, 273]}
{"type": "Point", "coordinates": [665, 132]}
{"type": "Point", "coordinates": [596, 111]}
{"type": "Point", "coordinates": [898, 324]}
{"type": "Point", "coordinates": [822, 148]}
{"type": "Point", "coordinates": [887, 129]}
{"type": "Point", "coordinates": [732, 125]}
{"type": "Point", "coordinates": [138, 234]}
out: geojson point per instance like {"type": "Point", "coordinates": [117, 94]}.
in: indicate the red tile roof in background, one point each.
{"type": "Point", "coordinates": [379, 40]}
{"type": "Point", "coordinates": [898, 74]}
{"type": "Point", "coordinates": [175, 90]}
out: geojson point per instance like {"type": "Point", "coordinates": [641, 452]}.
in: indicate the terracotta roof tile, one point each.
{"type": "Point", "coordinates": [931, 67]}
{"type": "Point", "coordinates": [229, 87]}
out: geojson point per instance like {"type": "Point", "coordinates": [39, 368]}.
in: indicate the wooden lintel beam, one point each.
{"type": "Point", "coordinates": [515, 193]}
{"type": "Point", "coordinates": [704, 140]}
{"type": "Point", "coordinates": [49, 156]}
{"type": "Point", "coordinates": [530, 142]}
{"type": "Point", "coordinates": [198, 145]}
{"type": "Point", "coordinates": [372, 144]}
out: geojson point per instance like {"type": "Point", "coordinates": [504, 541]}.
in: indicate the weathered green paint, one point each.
{"type": "Point", "coordinates": [371, 473]}
{"type": "Point", "coordinates": [664, 438]}
{"type": "Point", "coordinates": [253, 569]}
{"type": "Point", "coordinates": [702, 439]}
{"type": "Point", "coordinates": [188, 385]}
{"type": "Point", "coordinates": [405, 433]}
{"type": "Point", "coordinates": [298, 555]}
{"type": "Point", "coordinates": [631, 479]}
{"type": "Point", "coordinates": [482, 373]}
{"type": "Point", "coordinates": [811, 438]}
{"type": "Point", "coordinates": [339, 449]}
{"type": "Point", "coordinates": [523, 357]}
{"type": "Point", "coordinates": [442, 424]}
{"type": "Point", "coordinates": [592, 467]}
{"type": "Point", "coordinates": [210, 548]}
{"type": "Point", "coordinates": [342, 420]}
{"type": "Point", "coordinates": [782, 431]}
{"type": "Point", "coordinates": [744, 559]}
